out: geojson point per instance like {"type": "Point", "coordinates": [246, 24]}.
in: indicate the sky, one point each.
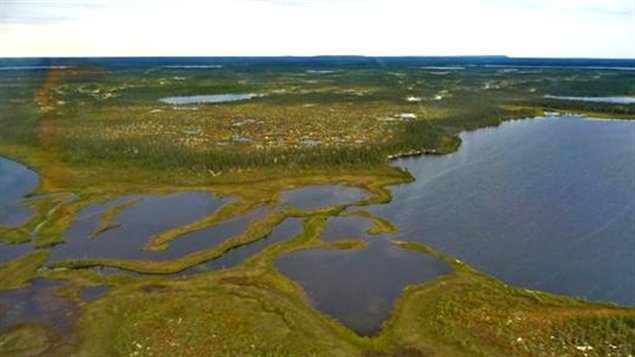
{"type": "Point", "coordinates": [517, 28]}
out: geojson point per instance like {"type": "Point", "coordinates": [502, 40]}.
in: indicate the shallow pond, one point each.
{"type": "Point", "coordinates": [347, 228]}
{"type": "Point", "coordinates": [37, 304]}
{"type": "Point", "coordinates": [16, 180]}
{"type": "Point", "coordinates": [319, 196]}
{"type": "Point", "coordinates": [359, 287]}
{"type": "Point", "coordinates": [91, 293]}
{"type": "Point", "coordinates": [12, 251]}
{"type": "Point", "coordinates": [286, 230]}
{"type": "Point", "coordinates": [612, 100]}
{"type": "Point", "coordinates": [212, 98]}
{"type": "Point", "coordinates": [544, 204]}
{"type": "Point", "coordinates": [144, 217]}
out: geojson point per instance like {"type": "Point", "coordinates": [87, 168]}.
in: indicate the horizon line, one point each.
{"type": "Point", "coordinates": [315, 56]}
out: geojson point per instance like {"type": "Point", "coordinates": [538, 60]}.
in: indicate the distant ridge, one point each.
{"type": "Point", "coordinates": [325, 60]}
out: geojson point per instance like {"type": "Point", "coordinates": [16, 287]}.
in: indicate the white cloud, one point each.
{"type": "Point", "coordinates": [549, 28]}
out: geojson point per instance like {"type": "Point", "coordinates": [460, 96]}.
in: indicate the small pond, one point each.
{"type": "Point", "coordinates": [359, 287]}
{"type": "Point", "coordinates": [37, 304]}
{"type": "Point", "coordinates": [90, 293]}
{"type": "Point", "coordinates": [612, 100]}
{"type": "Point", "coordinates": [211, 98]}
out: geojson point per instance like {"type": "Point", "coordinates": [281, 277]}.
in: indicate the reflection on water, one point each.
{"type": "Point", "coordinates": [359, 287]}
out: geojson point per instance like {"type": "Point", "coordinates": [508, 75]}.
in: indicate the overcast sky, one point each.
{"type": "Point", "coordinates": [519, 28]}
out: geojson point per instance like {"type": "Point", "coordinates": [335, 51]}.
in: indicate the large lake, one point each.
{"type": "Point", "coordinates": [546, 204]}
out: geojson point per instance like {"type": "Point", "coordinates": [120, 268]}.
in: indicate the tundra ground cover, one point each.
{"type": "Point", "coordinates": [94, 134]}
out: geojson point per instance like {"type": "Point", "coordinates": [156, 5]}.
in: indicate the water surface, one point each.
{"type": "Point", "coordinates": [16, 180]}
{"type": "Point", "coordinates": [11, 251]}
{"type": "Point", "coordinates": [546, 204]}
{"type": "Point", "coordinates": [319, 196]}
{"type": "Point", "coordinates": [37, 304]}
{"type": "Point", "coordinates": [212, 98]}
{"type": "Point", "coordinates": [286, 230]}
{"type": "Point", "coordinates": [90, 293]}
{"type": "Point", "coordinates": [347, 228]}
{"type": "Point", "coordinates": [612, 100]}
{"type": "Point", "coordinates": [152, 214]}
{"type": "Point", "coordinates": [359, 287]}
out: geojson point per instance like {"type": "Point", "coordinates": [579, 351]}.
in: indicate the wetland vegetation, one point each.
{"type": "Point", "coordinates": [227, 223]}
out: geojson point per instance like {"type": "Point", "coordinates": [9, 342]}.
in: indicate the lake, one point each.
{"type": "Point", "coordinates": [545, 204]}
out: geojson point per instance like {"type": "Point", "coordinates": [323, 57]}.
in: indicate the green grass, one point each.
{"type": "Point", "coordinates": [44, 211]}
{"type": "Point", "coordinates": [17, 272]}
{"type": "Point", "coordinates": [255, 230]}
{"type": "Point", "coordinates": [381, 225]}
{"type": "Point", "coordinates": [470, 314]}
{"type": "Point", "coordinates": [107, 218]}
{"type": "Point", "coordinates": [223, 316]}
{"type": "Point", "coordinates": [27, 340]}
{"type": "Point", "coordinates": [112, 117]}
{"type": "Point", "coordinates": [161, 240]}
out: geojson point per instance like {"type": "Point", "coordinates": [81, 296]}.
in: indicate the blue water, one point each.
{"type": "Point", "coordinates": [16, 180]}
{"type": "Point", "coordinates": [546, 204]}
{"type": "Point", "coordinates": [320, 196]}
{"type": "Point", "coordinates": [213, 98]}
{"type": "Point", "coordinates": [359, 287]}
{"type": "Point", "coordinates": [286, 230]}
{"type": "Point", "coordinates": [12, 251]}
{"type": "Point", "coordinates": [90, 293]}
{"type": "Point", "coordinates": [612, 100]}
{"type": "Point", "coordinates": [152, 214]}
